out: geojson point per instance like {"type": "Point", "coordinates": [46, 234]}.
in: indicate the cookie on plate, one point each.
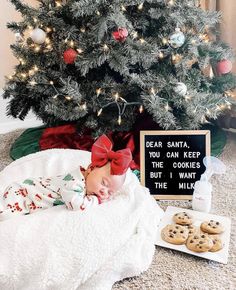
{"type": "Point", "coordinates": [212, 227]}
{"type": "Point", "coordinates": [174, 234]}
{"type": "Point", "coordinates": [193, 230]}
{"type": "Point", "coordinates": [217, 243]}
{"type": "Point", "coordinates": [199, 243]}
{"type": "Point", "coordinates": [183, 218]}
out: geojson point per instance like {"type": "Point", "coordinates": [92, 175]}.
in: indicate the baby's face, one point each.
{"type": "Point", "coordinates": [101, 183]}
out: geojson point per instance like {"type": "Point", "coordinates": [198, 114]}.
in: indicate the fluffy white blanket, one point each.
{"type": "Point", "coordinates": [61, 249]}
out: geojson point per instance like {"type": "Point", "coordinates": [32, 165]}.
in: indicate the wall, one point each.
{"type": "Point", "coordinates": [8, 14]}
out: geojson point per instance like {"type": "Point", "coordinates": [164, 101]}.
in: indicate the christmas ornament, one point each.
{"type": "Point", "coordinates": [181, 89]}
{"type": "Point", "coordinates": [70, 55]}
{"type": "Point", "coordinates": [38, 36]}
{"type": "Point", "coordinates": [18, 37]}
{"type": "Point", "coordinates": [224, 66]}
{"type": "Point", "coordinates": [177, 39]}
{"type": "Point", "coordinates": [121, 34]}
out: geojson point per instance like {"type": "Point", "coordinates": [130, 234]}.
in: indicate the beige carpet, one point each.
{"type": "Point", "coordinates": [175, 270]}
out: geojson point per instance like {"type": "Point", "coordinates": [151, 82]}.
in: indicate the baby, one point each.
{"type": "Point", "coordinates": [78, 190]}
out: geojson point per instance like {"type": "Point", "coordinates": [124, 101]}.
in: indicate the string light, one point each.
{"type": "Point", "coordinates": [135, 34]}
{"type": "Point", "coordinates": [24, 75]}
{"type": "Point", "coordinates": [208, 112]}
{"type": "Point", "coordinates": [164, 41]}
{"type": "Point", "coordinates": [167, 107]}
{"type": "Point", "coordinates": [51, 83]}
{"type": "Point", "coordinates": [35, 68]}
{"type": "Point", "coordinates": [35, 20]}
{"type": "Point", "coordinates": [116, 97]}
{"type": "Point", "coordinates": [84, 106]}
{"type": "Point", "coordinates": [153, 91]}
{"type": "Point", "coordinates": [48, 29]}
{"type": "Point", "coordinates": [82, 30]}
{"type": "Point", "coordinates": [187, 98]}
{"type": "Point", "coordinates": [98, 91]}
{"type": "Point", "coordinates": [68, 98]}
{"type": "Point", "coordinates": [119, 120]}
{"type": "Point", "coordinates": [58, 4]}
{"type": "Point", "coordinates": [37, 48]}
{"type": "Point", "coordinates": [98, 13]}
{"type": "Point", "coordinates": [99, 112]}
{"type": "Point", "coordinates": [80, 50]}
{"type": "Point", "coordinates": [140, 6]}
{"type": "Point", "coordinates": [49, 47]}
{"type": "Point", "coordinates": [105, 47]}
{"type": "Point", "coordinates": [123, 8]}
{"type": "Point", "coordinates": [142, 40]}
{"type": "Point", "coordinates": [66, 40]}
{"type": "Point", "coordinates": [161, 54]}
{"type": "Point", "coordinates": [47, 40]}
{"type": "Point", "coordinates": [141, 109]}
{"type": "Point", "coordinates": [171, 2]}
{"type": "Point", "coordinates": [33, 83]}
{"type": "Point", "coordinates": [72, 43]}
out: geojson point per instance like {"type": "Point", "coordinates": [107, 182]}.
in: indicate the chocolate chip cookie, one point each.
{"type": "Point", "coordinates": [199, 243]}
{"type": "Point", "coordinates": [183, 218]}
{"type": "Point", "coordinates": [217, 243]}
{"type": "Point", "coordinates": [193, 230]}
{"type": "Point", "coordinates": [212, 227]}
{"type": "Point", "coordinates": [174, 234]}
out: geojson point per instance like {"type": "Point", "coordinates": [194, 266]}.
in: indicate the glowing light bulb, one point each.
{"type": "Point", "coordinates": [141, 109]}
{"type": "Point", "coordinates": [140, 6]}
{"type": "Point", "coordinates": [164, 41]}
{"type": "Point", "coordinates": [116, 97]}
{"type": "Point", "coordinates": [142, 40]}
{"type": "Point", "coordinates": [98, 13]}
{"type": "Point", "coordinates": [98, 91]}
{"type": "Point", "coordinates": [51, 83]}
{"type": "Point", "coordinates": [80, 50]}
{"type": "Point", "coordinates": [68, 98]}
{"type": "Point", "coordinates": [105, 47]}
{"type": "Point", "coordinates": [33, 83]}
{"type": "Point", "coordinates": [99, 112]}
{"type": "Point", "coordinates": [72, 43]}
{"type": "Point", "coordinates": [161, 54]}
{"type": "Point", "coordinates": [119, 120]}
{"type": "Point", "coordinates": [48, 29]}
{"type": "Point", "coordinates": [82, 30]}
{"type": "Point", "coordinates": [123, 8]}
{"type": "Point", "coordinates": [84, 106]}
{"type": "Point", "coordinates": [35, 68]}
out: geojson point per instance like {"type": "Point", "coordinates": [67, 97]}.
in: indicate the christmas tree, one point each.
{"type": "Point", "coordinates": [103, 63]}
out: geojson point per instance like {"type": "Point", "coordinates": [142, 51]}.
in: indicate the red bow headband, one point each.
{"type": "Point", "coordinates": [102, 153]}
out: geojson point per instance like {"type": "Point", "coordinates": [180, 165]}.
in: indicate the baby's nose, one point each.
{"type": "Point", "coordinates": [103, 191]}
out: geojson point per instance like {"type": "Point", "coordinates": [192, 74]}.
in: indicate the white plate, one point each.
{"type": "Point", "coordinates": [220, 256]}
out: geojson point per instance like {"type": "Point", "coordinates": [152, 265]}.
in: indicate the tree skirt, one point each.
{"type": "Point", "coordinates": [67, 136]}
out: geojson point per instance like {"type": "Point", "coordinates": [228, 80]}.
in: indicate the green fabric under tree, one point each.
{"type": "Point", "coordinates": [100, 63]}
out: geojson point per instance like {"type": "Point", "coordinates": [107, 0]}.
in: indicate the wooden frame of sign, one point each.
{"type": "Point", "coordinates": [181, 152]}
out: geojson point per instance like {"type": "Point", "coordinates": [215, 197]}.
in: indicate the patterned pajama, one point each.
{"type": "Point", "coordinates": [35, 194]}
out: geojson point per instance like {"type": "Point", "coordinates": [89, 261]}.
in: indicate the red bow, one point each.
{"type": "Point", "coordinates": [102, 153]}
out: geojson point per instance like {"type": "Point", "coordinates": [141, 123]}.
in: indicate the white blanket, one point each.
{"type": "Point", "coordinates": [60, 249]}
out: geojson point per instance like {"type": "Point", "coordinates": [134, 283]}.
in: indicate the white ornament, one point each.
{"type": "Point", "coordinates": [18, 37]}
{"type": "Point", "coordinates": [177, 39]}
{"type": "Point", "coordinates": [181, 89]}
{"type": "Point", "coordinates": [38, 36]}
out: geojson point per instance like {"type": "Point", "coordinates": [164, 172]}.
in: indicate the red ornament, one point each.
{"type": "Point", "coordinates": [69, 56]}
{"type": "Point", "coordinates": [224, 66]}
{"type": "Point", "coordinates": [121, 34]}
